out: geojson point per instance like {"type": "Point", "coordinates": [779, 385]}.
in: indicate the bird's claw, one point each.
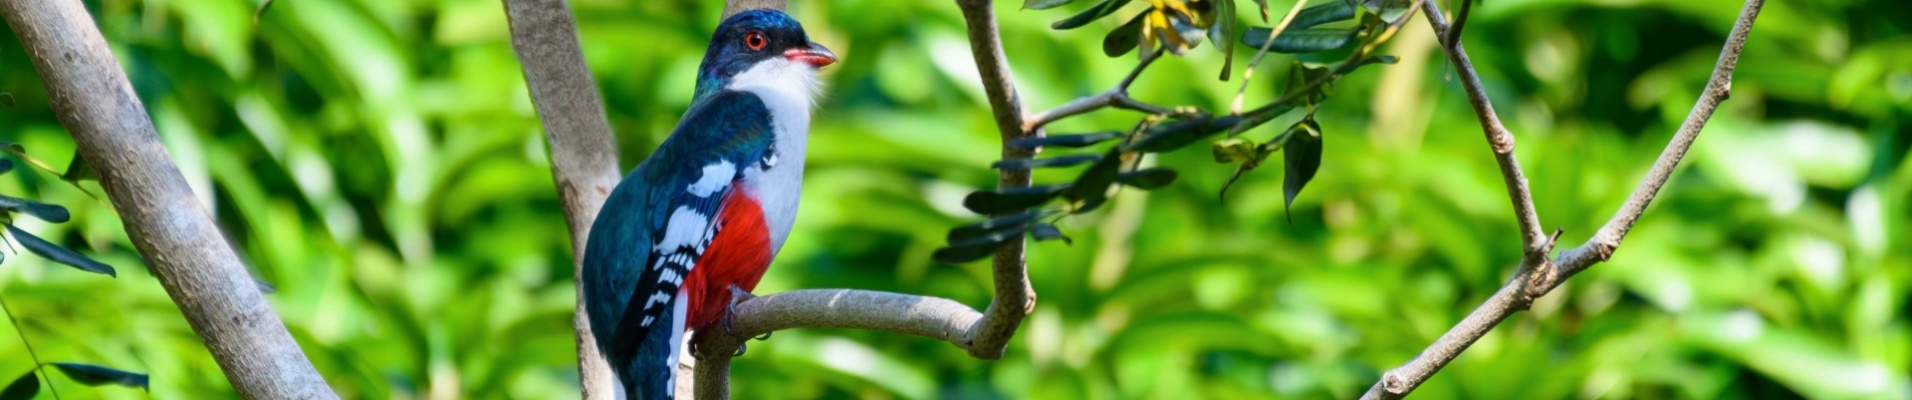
{"type": "Point", "coordinates": [737, 295]}
{"type": "Point", "coordinates": [740, 350]}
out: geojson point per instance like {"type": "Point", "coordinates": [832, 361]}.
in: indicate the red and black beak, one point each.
{"type": "Point", "coordinates": [811, 53]}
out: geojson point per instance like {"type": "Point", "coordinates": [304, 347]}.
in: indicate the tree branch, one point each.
{"type": "Point", "coordinates": [583, 150]}
{"type": "Point", "coordinates": [1532, 239]}
{"type": "Point", "coordinates": [1520, 292]}
{"type": "Point", "coordinates": [1115, 97]}
{"type": "Point", "coordinates": [1014, 298]}
{"type": "Point", "coordinates": [172, 230]}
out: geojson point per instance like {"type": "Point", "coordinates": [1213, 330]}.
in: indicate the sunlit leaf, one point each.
{"type": "Point", "coordinates": [43, 211]}
{"type": "Point", "coordinates": [23, 388]}
{"type": "Point", "coordinates": [1090, 15]}
{"type": "Point", "coordinates": [1148, 179]}
{"type": "Point", "coordinates": [1300, 40]}
{"type": "Point", "coordinates": [1390, 11]}
{"type": "Point", "coordinates": [1046, 162]}
{"type": "Point", "coordinates": [1011, 200]}
{"type": "Point", "coordinates": [1043, 4]}
{"type": "Point", "coordinates": [1080, 140]}
{"type": "Point", "coordinates": [55, 253]}
{"type": "Point", "coordinates": [1123, 39]}
{"type": "Point", "coordinates": [1331, 11]}
{"type": "Point", "coordinates": [1047, 232]}
{"type": "Point", "coordinates": [94, 375]}
{"type": "Point", "coordinates": [1221, 31]}
{"type": "Point", "coordinates": [1301, 154]}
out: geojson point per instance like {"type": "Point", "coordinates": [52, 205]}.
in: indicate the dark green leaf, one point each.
{"type": "Point", "coordinates": [1221, 31]}
{"type": "Point", "coordinates": [1011, 200]}
{"type": "Point", "coordinates": [1148, 179]}
{"type": "Point", "coordinates": [1332, 11]}
{"type": "Point", "coordinates": [1091, 188]}
{"type": "Point", "coordinates": [1179, 134]}
{"type": "Point", "coordinates": [1121, 40]}
{"type": "Point", "coordinates": [6, 166]}
{"type": "Point", "coordinates": [1090, 15]}
{"type": "Point", "coordinates": [22, 388]}
{"type": "Point", "coordinates": [1059, 161]}
{"type": "Point", "coordinates": [58, 254]}
{"type": "Point", "coordinates": [78, 170]}
{"type": "Point", "coordinates": [1043, 4]}
{"type": "Point", "coordinates": [1081, 140]}
{"type": "Point", "coordinates": [6, 99]}
{"type": "Point", "coordinates": [94, 375]}
{"type": "Point", "coordinates": [1300, 40]}
{"type": "Point", "coordinates": [43, 211]}
{"type": "Point", "coordinates": [963, 254]}
{"type": "Point", "coordinates": [971, 231]}
{"type": "Point", "coordinates": [1302, 157]}
{"type": "Point", "coordinates": [1046, 232]}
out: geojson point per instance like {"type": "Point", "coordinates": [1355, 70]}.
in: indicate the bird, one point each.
{"type": "Point", "coordinates": [692, 229]}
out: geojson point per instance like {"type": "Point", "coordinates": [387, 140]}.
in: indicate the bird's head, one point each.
{"type": "Point", "coordinates": [760, 44]}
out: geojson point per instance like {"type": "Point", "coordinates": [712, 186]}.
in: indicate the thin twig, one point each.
{"type": "Point", "coordinates": [1532, 238]}
{"type": "Point", "coordinates": [23, 342]}
{"type": "Point", "coordinates": [1117, 97]}
{"type": "Point", "coordinates": [1248, 74]}
{"type": "Point", "coordinates": [1520, 292]}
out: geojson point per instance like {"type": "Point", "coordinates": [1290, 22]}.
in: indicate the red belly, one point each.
{"type": "Point", "coordinates": [738, 255]}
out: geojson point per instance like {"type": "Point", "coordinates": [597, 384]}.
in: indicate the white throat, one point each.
{"type": "Point", "coordinates": [789, 90]}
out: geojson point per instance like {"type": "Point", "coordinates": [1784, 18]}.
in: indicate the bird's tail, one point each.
{"type": "Point", "coordinates": [652, 375]}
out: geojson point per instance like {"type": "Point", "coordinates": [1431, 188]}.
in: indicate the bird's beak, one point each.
{"type": "Point", "coordinates": [813, 54]}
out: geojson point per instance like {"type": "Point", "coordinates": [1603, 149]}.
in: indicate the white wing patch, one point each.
{"type": "Point", "coordinates": [716, 177]}
{"type": "Point", "coordinates": [686, 228]}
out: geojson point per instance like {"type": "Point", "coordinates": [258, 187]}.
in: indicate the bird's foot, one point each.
{"type": "Point", "coordinates": [737, 295]}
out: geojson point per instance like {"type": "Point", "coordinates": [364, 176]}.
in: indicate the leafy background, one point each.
{"type": "Point", "coordinates": [379, 161]}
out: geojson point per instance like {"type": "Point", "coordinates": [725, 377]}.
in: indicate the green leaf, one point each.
{"type": "Point", "coordinates": [1043, 4]}
{"type": "Point", "coordinates": [1301, 154]}
{"type": "Point", "coordinates": [43, 211]}
{"type": "Point", "coordinates": [1080, 140]}
{"type": "Point", "coordinates": [58, 254]}
{"type": "Point", "coordinates": [1123, 39]}
{"type": "Point", "coordinates": [1148, 179]}
{"type": "Point", "coordinates": [1179, 134]}
{"type": "Point", "coordinates": [94, 375]}
{"type": "Point", "coordinates": [1091, 188]}
{"type": "Point", "coordinates": [78, 170]}
{"type": "Point", "coordinates": [972, 231]}
{"type": "Point", "coordinates": [22, 388]}
{"type": "Point", "coordinates": [1012, 199]}
{"type": "Point", "coordinates": [1090, 15]}
{"type": "Point", "coordinates": [6, 99]}
{"type": "Point", "coordinates": [1047, 232]}
{"type": "Point", "coordinates": [6, 166]}
{"type": "Point", "coordinates": [1300, 40]}
{"type": "Point", "coordinates": [1221, 31]}
{"type": "Point", "coordinates": [1332, 11]}
{"type": "Point", "coordinates": [1236, 150]}
{"type": "Point", "coordinates": [1047, 162]}
{"type": "Point", "coordinates": [1390, 11]}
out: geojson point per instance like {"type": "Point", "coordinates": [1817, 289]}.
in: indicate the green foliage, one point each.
{"type": "Point", "coordinates": [380, 161]}
{"type": "Point", "coordinates": [22, 388]}
{"type": "Point", "coordinates": [94, 375]}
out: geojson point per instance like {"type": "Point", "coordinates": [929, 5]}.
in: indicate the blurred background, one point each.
{"type": "Point", "coordinates": [380, 162]}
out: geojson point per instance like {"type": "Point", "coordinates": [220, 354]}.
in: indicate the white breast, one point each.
{"type": "Point", "coordinates": [788, 89]}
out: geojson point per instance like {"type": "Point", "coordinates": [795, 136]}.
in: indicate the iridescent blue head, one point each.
{"type": "Point", "coordinates": [753, 37]}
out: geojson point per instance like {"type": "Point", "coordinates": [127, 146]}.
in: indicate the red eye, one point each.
{"type": "Point", "coordinates": [755, 40]}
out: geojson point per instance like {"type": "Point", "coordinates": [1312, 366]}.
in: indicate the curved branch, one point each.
{"type": "Point", "coordinates": [1520, 292]}
{"type": "Point", "coordinates": [172, 230]}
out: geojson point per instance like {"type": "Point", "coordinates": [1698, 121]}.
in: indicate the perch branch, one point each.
{"type": "Point", "coordinates": [1117, 97]}
{"type": "Point", "coordinates": [1520, 292]}
{"type": "Point", "coordinates": [583, 150]}
{"type": "Point", "coordinates": [90, 95]}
